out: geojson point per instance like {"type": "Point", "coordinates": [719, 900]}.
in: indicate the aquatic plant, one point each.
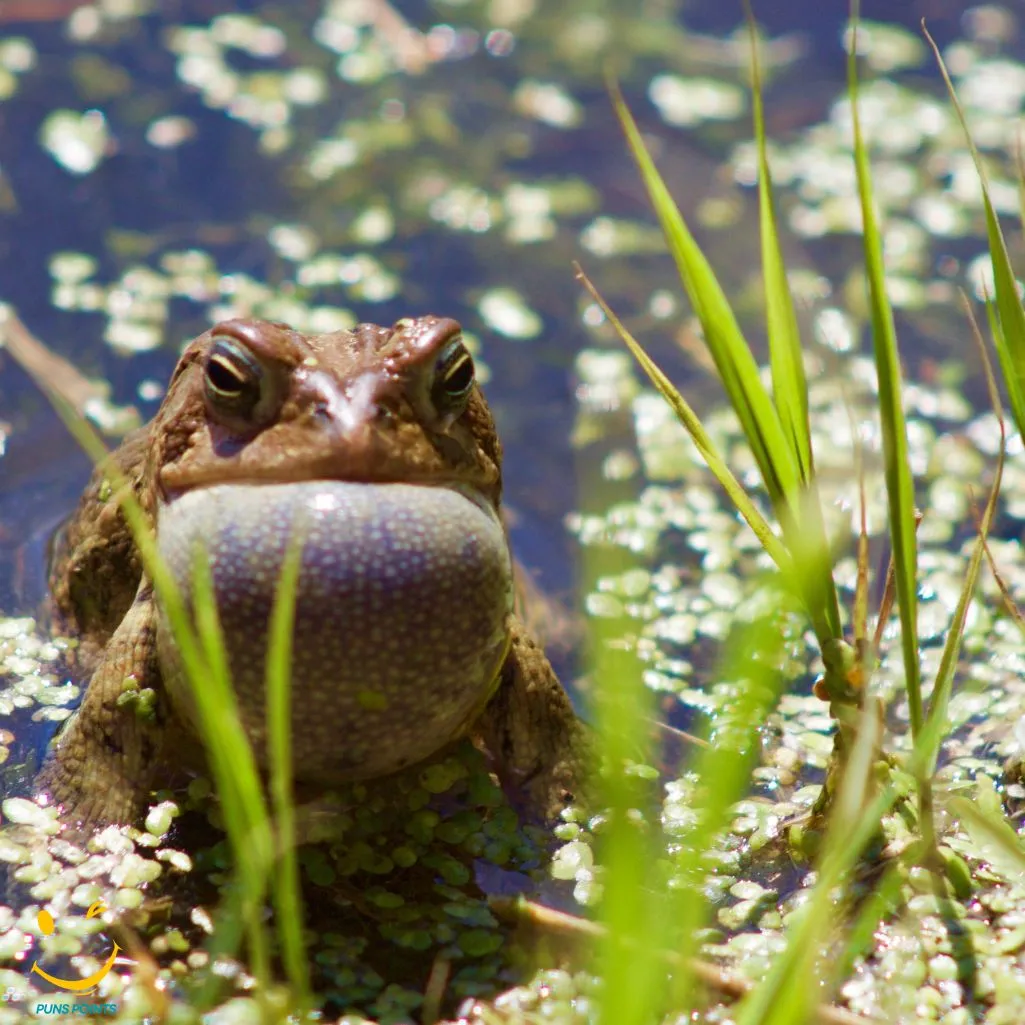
{"type": "Point", "coordinates": [654, 904]}
{"type": "Point", "coordinates": [863, 784]}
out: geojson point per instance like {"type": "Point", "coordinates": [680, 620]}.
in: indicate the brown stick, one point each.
{"type": "Point", "coordinates": [43, 364]}
{"type": "Point", "coordinates": [513, 909]}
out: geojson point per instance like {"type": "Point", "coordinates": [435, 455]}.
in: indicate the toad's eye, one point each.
{"type": "Point", "coordinates": [235, 380]}
{"type": "Point", "coordinates": [453, 378]}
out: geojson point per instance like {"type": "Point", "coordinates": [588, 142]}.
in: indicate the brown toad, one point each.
{"type": "Point", "coordinates": [379, 447]}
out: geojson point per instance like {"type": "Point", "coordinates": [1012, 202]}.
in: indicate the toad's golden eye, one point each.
{"type": "Point", "coordinates": [234, 378]}
{"type": "Point", "coordinates": [453, 378]}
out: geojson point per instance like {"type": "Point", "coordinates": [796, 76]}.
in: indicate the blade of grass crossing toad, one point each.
{"type": "Point", "coordinates": [208, 678]}
{"type": "Point", "coordinates": [789, 387]}
{"type": "Point", "coordinates": [1011, 350]}
{"type": "Point", "coordinates": [769, 541]}
{"type": "Point", "coordinates": [286, 884]}
{"type": "Point", "coordinates": [899, 485]}
{"type": "Point", "coordinates": [234, 768]}
{"type": "Point", "coordinates": [242, 799]}
{"type": "Point", "coordinates": [737, 367]}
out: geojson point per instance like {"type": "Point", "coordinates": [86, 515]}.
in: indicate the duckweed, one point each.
{"type": "Point", "coordinates": [692, 560]}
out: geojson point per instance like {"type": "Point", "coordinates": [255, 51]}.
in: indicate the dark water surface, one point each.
{"type": "Point", "coordinates": [219, 193]}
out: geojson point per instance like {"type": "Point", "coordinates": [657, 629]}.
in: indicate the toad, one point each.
{"type": "Point", "coordinates": [377, 446]}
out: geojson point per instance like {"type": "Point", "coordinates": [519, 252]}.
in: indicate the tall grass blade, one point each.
{"type": "Point", "coordinates": [634, 914]}
{"type": "Point", "coordinates": [200, 647]}
{"type": "Point", "coordinates": [733, 359]}
{"type": "Point", "coordinates": [715, 462]}
{"type": "Point", "coordinates": [286, 885]}
{"type": "Point", "coordinates": [860, 612]}
{"type": "Point", "coordinates": [1019, 164]}
{"type": "Point", "coordinates": [792, 987]}
{"type": "Point", "coordinates": [796, 507]}
{"type": "Point", "coordinates": [788, 991]}
{"type": "Point", "coordinates": [233, 767]}
{"type": "Point", "coordinates": [789, 386]}
{"type": "Point", "coordinates": [885, 896]}
{"type": "Point", "coordinates": [1010, 342]}
{"type": "Point", "coordinates": [952, 646]}
{"type": "Point", "coordinates": [723, 770]}
{"type": "Point", "coordinates": [899, 485]}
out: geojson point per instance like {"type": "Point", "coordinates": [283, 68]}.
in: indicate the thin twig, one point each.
{"type": "Point", "coordinates": [514, 909]}
{"type": "Point", "coordinates": [673, 731]}
{"type": "Point", "coordinates": [886, 605]}
{"type": "Point", "coordinates": [998, 410]}
{"type": "Point", "coordinates": [437, 982]}
{"type": "Point", "coordinates": [41, 363]}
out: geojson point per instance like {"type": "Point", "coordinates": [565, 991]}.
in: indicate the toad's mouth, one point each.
{"type": "Point", "coordinates": [403, 533]}
{"type": "Point", "coordinates": [316, 490]}
{"type": "Point", "coordinates": [402, 608]}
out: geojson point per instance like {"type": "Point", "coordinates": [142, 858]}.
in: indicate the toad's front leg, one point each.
{"type": "Point", "coordinates": [105, 761]}
{"type": "Point", "coordinates": [529, 727]}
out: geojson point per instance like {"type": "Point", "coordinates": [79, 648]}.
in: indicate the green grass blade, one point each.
{"type": "Point", "coordinates": [723, 768]}
{"type": "Point", "coordinates": [286, 886]}
{"type": "Point", "coordinates": [733, 359]}
{"type": "Point", "coordinates": [795, 506]}
{"type": "Point", "coordinates": [232, 763]}
{"type": "Point", "coordinates": [633, 912]}
{"type": "Point", "coordinates": [1019, 163]}
{"type": "Point", "coordinates": [952, 646]}
{"type": "Point", "coordinates": [791, 987]}
{"type": "Point", "coordinates": [789, 386]}
{"type": "Point", "coordinates": [943, 686]}
{"type": "Point", "coordinates": [769, 541]}
{"type": "Point", "coordinates": [787, 991]}
{"type": "Point", "coordinates": [885, 896]}
{"type": "Point", "coordinates": [1004, 356]}
{"type": "Point", "coordinates": [233, 767]}
{"type": "Point", "coordinates": [1010, 342]}
{"type": "Point", "coordinates": [899, 485]}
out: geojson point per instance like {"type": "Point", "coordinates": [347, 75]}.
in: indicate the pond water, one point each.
{"type": "Point", "coordinates": [490, 140]}
{"type": "Point", "coordinates": [327, 162]}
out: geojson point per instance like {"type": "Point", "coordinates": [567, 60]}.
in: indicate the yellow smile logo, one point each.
{"type": "Point", "coordinates": [45, 920]}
